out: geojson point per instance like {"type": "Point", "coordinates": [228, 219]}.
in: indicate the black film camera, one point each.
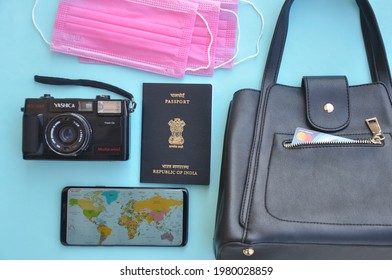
{"type": "Point", "coordinates": [76, 129]}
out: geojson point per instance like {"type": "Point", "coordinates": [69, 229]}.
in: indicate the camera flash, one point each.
{"type": "Point", "coordinates": [109, 107]}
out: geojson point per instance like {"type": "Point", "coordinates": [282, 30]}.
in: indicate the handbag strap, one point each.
{"type": "Point", "coordinates": [374, 45]}
{"type": "Point", "coordinates": [375, 50]}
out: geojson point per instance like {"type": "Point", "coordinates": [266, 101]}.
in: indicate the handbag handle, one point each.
{"type": "Point", "coordinates": [376, 54]}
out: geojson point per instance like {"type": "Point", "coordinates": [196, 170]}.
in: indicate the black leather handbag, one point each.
{"type": "Point", "coordinates": [335, 204]}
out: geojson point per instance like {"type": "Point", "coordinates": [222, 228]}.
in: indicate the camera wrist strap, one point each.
{"type": "Point", "coordinates": [87, 83]}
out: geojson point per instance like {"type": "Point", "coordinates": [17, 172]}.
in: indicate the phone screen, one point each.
{"type": "Point", "coordinates": [124, 216]}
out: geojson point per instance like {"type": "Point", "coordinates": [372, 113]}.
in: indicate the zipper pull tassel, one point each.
{"type": "Point", "coordinates": [375, 128]}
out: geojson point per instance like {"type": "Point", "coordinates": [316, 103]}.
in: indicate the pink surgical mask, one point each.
{"type": "Point", "coordinates": [231, 62]}
{"type": "Point", "coordinates": [226, 39]}
{"type": "Point", "coordinates": [201, 60]}
{"type": "Point", "coordinates": [201, 55]}
{"type": "Point", "coordinates": [151, 35]}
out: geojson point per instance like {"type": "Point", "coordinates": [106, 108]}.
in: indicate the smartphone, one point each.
{"type": "Point", "coordinates": [99, 216]}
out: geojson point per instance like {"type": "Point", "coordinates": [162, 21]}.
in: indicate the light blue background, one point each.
{"type": "Point", "coordinates": [324, 39]}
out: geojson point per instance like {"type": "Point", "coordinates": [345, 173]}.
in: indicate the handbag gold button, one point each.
{"type": "Point", "coordinates": [248, 252]}
{"type": "Point", "coordinates": [329, 108]}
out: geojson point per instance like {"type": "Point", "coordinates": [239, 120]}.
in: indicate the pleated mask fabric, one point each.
{"type": "Point", "coordinates": [150, 35]}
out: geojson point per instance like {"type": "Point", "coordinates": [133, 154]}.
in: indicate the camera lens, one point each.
{"type": "Point", "coordinates": [68, 134]}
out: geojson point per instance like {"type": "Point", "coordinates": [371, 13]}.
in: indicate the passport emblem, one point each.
{"type": "Point", "coordinates": [176, 128]}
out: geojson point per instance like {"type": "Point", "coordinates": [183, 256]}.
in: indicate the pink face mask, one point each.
{"type": "Point", "coordinates": [151, 35]}
{"type": "Point", "coordinates": [229, 39]}
{"type": "Point", "coordinates": [201, 60]}
{"type": "Point", "coordinates": [226, 39]}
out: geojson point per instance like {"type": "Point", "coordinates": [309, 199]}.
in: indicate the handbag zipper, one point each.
{"type": "Point", "coordinates": [374, 126]}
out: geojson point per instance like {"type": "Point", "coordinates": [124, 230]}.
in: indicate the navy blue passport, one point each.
{"type": "Point", "coordinates": [176, 133]}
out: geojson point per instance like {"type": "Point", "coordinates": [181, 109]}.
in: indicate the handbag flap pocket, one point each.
{"type": "Point", "coordinates": [327, 102]}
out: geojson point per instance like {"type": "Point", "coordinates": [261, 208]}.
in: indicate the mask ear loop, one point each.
{"type": "Point", "coordinates": [260, 35]}
{"type": "Point", "coordinates": [36, 25]}
{"type": "Point", "coordinates": [209, 47]}
{"type": "Point", "coordinates": [239, 36]}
